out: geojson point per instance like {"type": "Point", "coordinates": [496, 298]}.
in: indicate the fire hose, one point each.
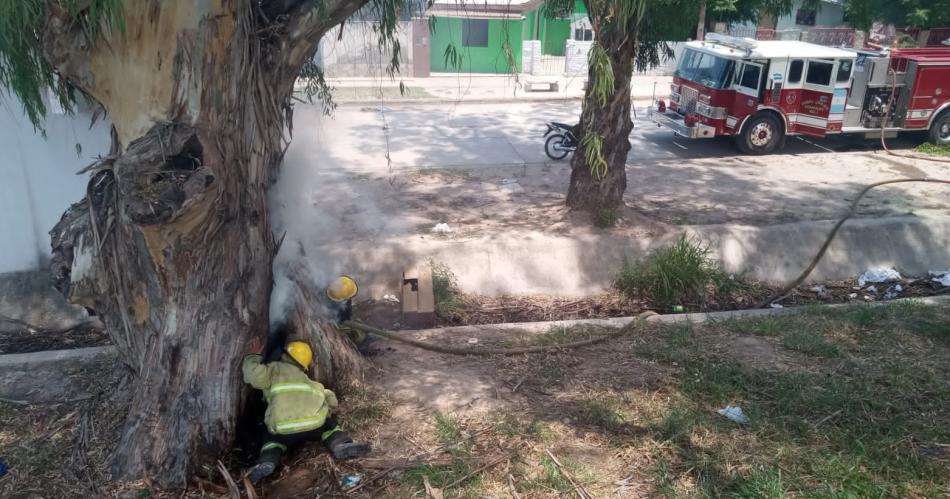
{"type": "Point", "coordinates": [854, 205]}
{"type": "Point", "coordinates": [496, 351]}
{"type": "Point", "coordinates": [774, 298]}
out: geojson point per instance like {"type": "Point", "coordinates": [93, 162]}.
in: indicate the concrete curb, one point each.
{"type": "Point", "coordinates": [532, 262]}
{"type": "Point", "coordinates": [473, 100]}
{"type": "Point", "coordinates": [533, 328]}
{"type": "Point", "coordinates": [51, 376]}
{"type": "Point", "coordinates": [78, 356]}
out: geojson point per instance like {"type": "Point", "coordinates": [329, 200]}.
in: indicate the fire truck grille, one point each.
{"type": "Point", "coordinates": [688, 98]}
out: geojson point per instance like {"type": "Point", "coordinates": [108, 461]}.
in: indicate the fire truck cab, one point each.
{"type": "Point", "coordinates": [762, 91]}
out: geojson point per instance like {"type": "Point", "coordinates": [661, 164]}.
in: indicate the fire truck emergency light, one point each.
{"type": "Point", "coordinates": [735, 42]}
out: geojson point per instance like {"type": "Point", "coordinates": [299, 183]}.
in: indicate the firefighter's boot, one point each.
{"type": "Point", "coordinates": [343, 447]}
{"type": "Point", "coordinates": [267, 463]}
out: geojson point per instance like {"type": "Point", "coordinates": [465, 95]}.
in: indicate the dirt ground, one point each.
{"type": "Point", "coordinates": [847, 400]}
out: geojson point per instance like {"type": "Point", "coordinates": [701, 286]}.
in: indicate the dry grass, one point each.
{"type": "Point", "coordinates": [856, 408]}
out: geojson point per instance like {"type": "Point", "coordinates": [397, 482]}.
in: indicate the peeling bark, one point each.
{"type": "Point", "coordinates": [612, 122]}
{"type": "Point", "coordinates": [172, 246]}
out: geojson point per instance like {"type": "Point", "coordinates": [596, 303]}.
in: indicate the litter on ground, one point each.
{"type": "Point", "coordinates": [441, 228]}
{"type": "Point", "coordinates": [878, 275]}
{"type": "Point", "coordinates": [941, 277]}
{"type": "Point", "coordinates": [735, 414]}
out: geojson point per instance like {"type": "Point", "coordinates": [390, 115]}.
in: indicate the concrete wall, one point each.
{"type": "Point", "coordinates": [531, 56]}
{"type": "Point", "coordinates": [830, 15]}
{"type": "Point", "coordinates": [39, 180]}
{"type": "Point", "coordinates": [357, 52]}
{"type": "Point", "coordinates": [490, 59]}
{"type": "Point", "coordinates": [576, 59]}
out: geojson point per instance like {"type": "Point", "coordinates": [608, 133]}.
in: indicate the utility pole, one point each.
{"type": "Point", "coordinates": [701, 28]}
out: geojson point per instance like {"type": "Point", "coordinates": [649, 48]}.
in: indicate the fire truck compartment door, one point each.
{"type": "Point", "coordinates": [809, 108]}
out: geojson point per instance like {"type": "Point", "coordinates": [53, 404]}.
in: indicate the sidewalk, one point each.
{"type": "Point", "coordinates": [454, 87]}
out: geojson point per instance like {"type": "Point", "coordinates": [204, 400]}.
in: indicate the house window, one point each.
{"type": "Point", "coordinates": [583, 34]}
{"type": "Point", "coordinates": [795, 71]}
{"type": "Point", "coordinates": [474, 32]}
{"type": "Point", "coordinates": [844, 71]}
{"type": "Point", "coordinates": [819, 73]}
{"type": "Point", "coordinates": [805, 17]}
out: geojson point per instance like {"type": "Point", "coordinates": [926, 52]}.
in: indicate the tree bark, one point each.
{"type": "Point", "coordinates": [172, 245]}
{"type": "Point", "coordinates": [611, 121]}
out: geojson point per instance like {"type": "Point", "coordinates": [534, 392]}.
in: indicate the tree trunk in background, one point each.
{"type": "Point", "coordinates": [172, 246]}
{"type": "Point", "coordinates": [701, 27]}
{"type": "Point", "coordinates": [612, 122]}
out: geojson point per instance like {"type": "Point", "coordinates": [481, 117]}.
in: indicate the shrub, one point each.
{"type": "Point", "coordinates": [673, 275]}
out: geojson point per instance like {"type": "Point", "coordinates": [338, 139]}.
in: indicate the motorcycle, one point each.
{"type": "Point", "coordinates": [560, 140]}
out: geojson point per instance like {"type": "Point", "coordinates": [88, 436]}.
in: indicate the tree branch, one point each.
{"type": "Point", "coordinates": [306, 25]}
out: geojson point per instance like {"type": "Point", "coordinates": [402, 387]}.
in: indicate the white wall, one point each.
{"type": "Point", "coordinates": [39, 180]}
{"type": "Point", "coordinates": [830, 15]}
{"type": "Point", "coordinates": [357, 54]}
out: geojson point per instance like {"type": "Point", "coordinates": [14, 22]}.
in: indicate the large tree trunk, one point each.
{"type": "Point", "coordinates": [591, 189]}
{"type": "Point", "coordinates": [172, 246]}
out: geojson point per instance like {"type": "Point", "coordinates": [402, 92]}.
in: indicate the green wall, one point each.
{"type": "Point", "coordinates": [553, 34]}
{"type": "Point", "coordinates": [490, 59]}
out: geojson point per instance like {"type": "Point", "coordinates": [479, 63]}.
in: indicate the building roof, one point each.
{"type": "Point", "coordinates": [483, 8]}
{"type": "Point", "coordinates": [773, 49]}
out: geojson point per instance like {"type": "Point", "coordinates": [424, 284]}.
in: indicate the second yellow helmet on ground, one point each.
{"type": "Point", "coordinates": [342, 288]}
{"type": "Point", "coordinates": [300, 351]}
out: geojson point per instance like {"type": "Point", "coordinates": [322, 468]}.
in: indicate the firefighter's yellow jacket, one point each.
{"type": "Point", "coordinates": [295, 403]}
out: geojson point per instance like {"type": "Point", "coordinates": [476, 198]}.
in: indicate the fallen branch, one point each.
{"type": "Point", "coordinates": [481, 468]}
{"type": "Point", "coordinates": [14, 402]}
{"type": "Point", "coordinates": [232, 485]}
{"type": "Point", "coordinates": [581, 491]}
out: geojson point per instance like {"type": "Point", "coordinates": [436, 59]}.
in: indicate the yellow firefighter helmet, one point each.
{"type": "Point", "coordinates": [300, 351]}
{"type": "Point", "coordinates": [342, 288]}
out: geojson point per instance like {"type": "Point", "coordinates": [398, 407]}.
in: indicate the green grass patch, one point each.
{"type": "Point", "coordinates": [550, 478]}
{"type": "Point", "coordinates": [602, 413]}
{"type": "Point", "coordinates": [672, 344]}
{"type": "Point", "coordinates": [674, 275]}
{"type": "Point", "coordinates": [448, 298]}
{"type": "Point", "coordinates": [928, 148]}
{"type": "Point", "coordinates": [606, 218]}
{"type": "Point", "coordinates": [873, 423]}
{"type": "Point", "coordinates": [810, 343]}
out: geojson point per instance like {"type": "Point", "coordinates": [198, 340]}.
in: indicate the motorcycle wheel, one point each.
{"type": "Point", "coordinates": [554, 147]}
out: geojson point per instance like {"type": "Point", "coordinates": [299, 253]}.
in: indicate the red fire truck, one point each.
{"type": "Point", "coordinates": [762, 91]}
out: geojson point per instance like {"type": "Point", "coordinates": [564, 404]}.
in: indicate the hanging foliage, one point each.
{"type": "Point", "coordinates": [24, 72]}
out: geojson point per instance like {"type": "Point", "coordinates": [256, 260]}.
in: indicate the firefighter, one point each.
{"type": "Point", "coordinates": [341, 292]}
{"type": "Point", "coordinates": [298, 409]}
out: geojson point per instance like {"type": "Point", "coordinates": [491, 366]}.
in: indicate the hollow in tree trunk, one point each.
{"type": "Point", "coordinates": [172, 246]}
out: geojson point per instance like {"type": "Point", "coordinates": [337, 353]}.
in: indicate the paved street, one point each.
{"type": "Point", "coordinates": [380, 182]}
{"type": "Point", "coordinates": [472, 135]}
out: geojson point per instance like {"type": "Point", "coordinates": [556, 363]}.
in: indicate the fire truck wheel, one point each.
{"type": "Point", "coordinates": [940, 131]}
{"type": "Point", "coordinates": [760, 135]}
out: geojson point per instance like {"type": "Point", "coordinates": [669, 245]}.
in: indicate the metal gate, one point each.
{"type": "Point", "coordinates": [552, 65]}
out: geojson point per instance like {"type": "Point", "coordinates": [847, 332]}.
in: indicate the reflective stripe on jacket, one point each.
{"type": "Point", "coordinates": [295, 403]}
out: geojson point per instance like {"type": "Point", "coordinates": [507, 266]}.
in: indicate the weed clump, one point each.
{"type": "Point", "coordinates": [448, 298]}
{"type": "Point", "coordinates": [680, 273]}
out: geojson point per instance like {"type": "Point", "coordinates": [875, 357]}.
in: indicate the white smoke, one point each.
{"type": "Point", "coordinates": [301, 215]}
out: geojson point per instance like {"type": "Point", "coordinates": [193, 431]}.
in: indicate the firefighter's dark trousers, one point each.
{"type": "Point", "coordinates": [276, 445]}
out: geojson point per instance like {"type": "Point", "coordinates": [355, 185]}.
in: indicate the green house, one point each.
{"type": "Point", "coordinates": [486, 36]}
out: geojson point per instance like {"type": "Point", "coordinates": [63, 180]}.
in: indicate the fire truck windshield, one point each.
{"type": "Point", "coordinates": [706, 69]}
